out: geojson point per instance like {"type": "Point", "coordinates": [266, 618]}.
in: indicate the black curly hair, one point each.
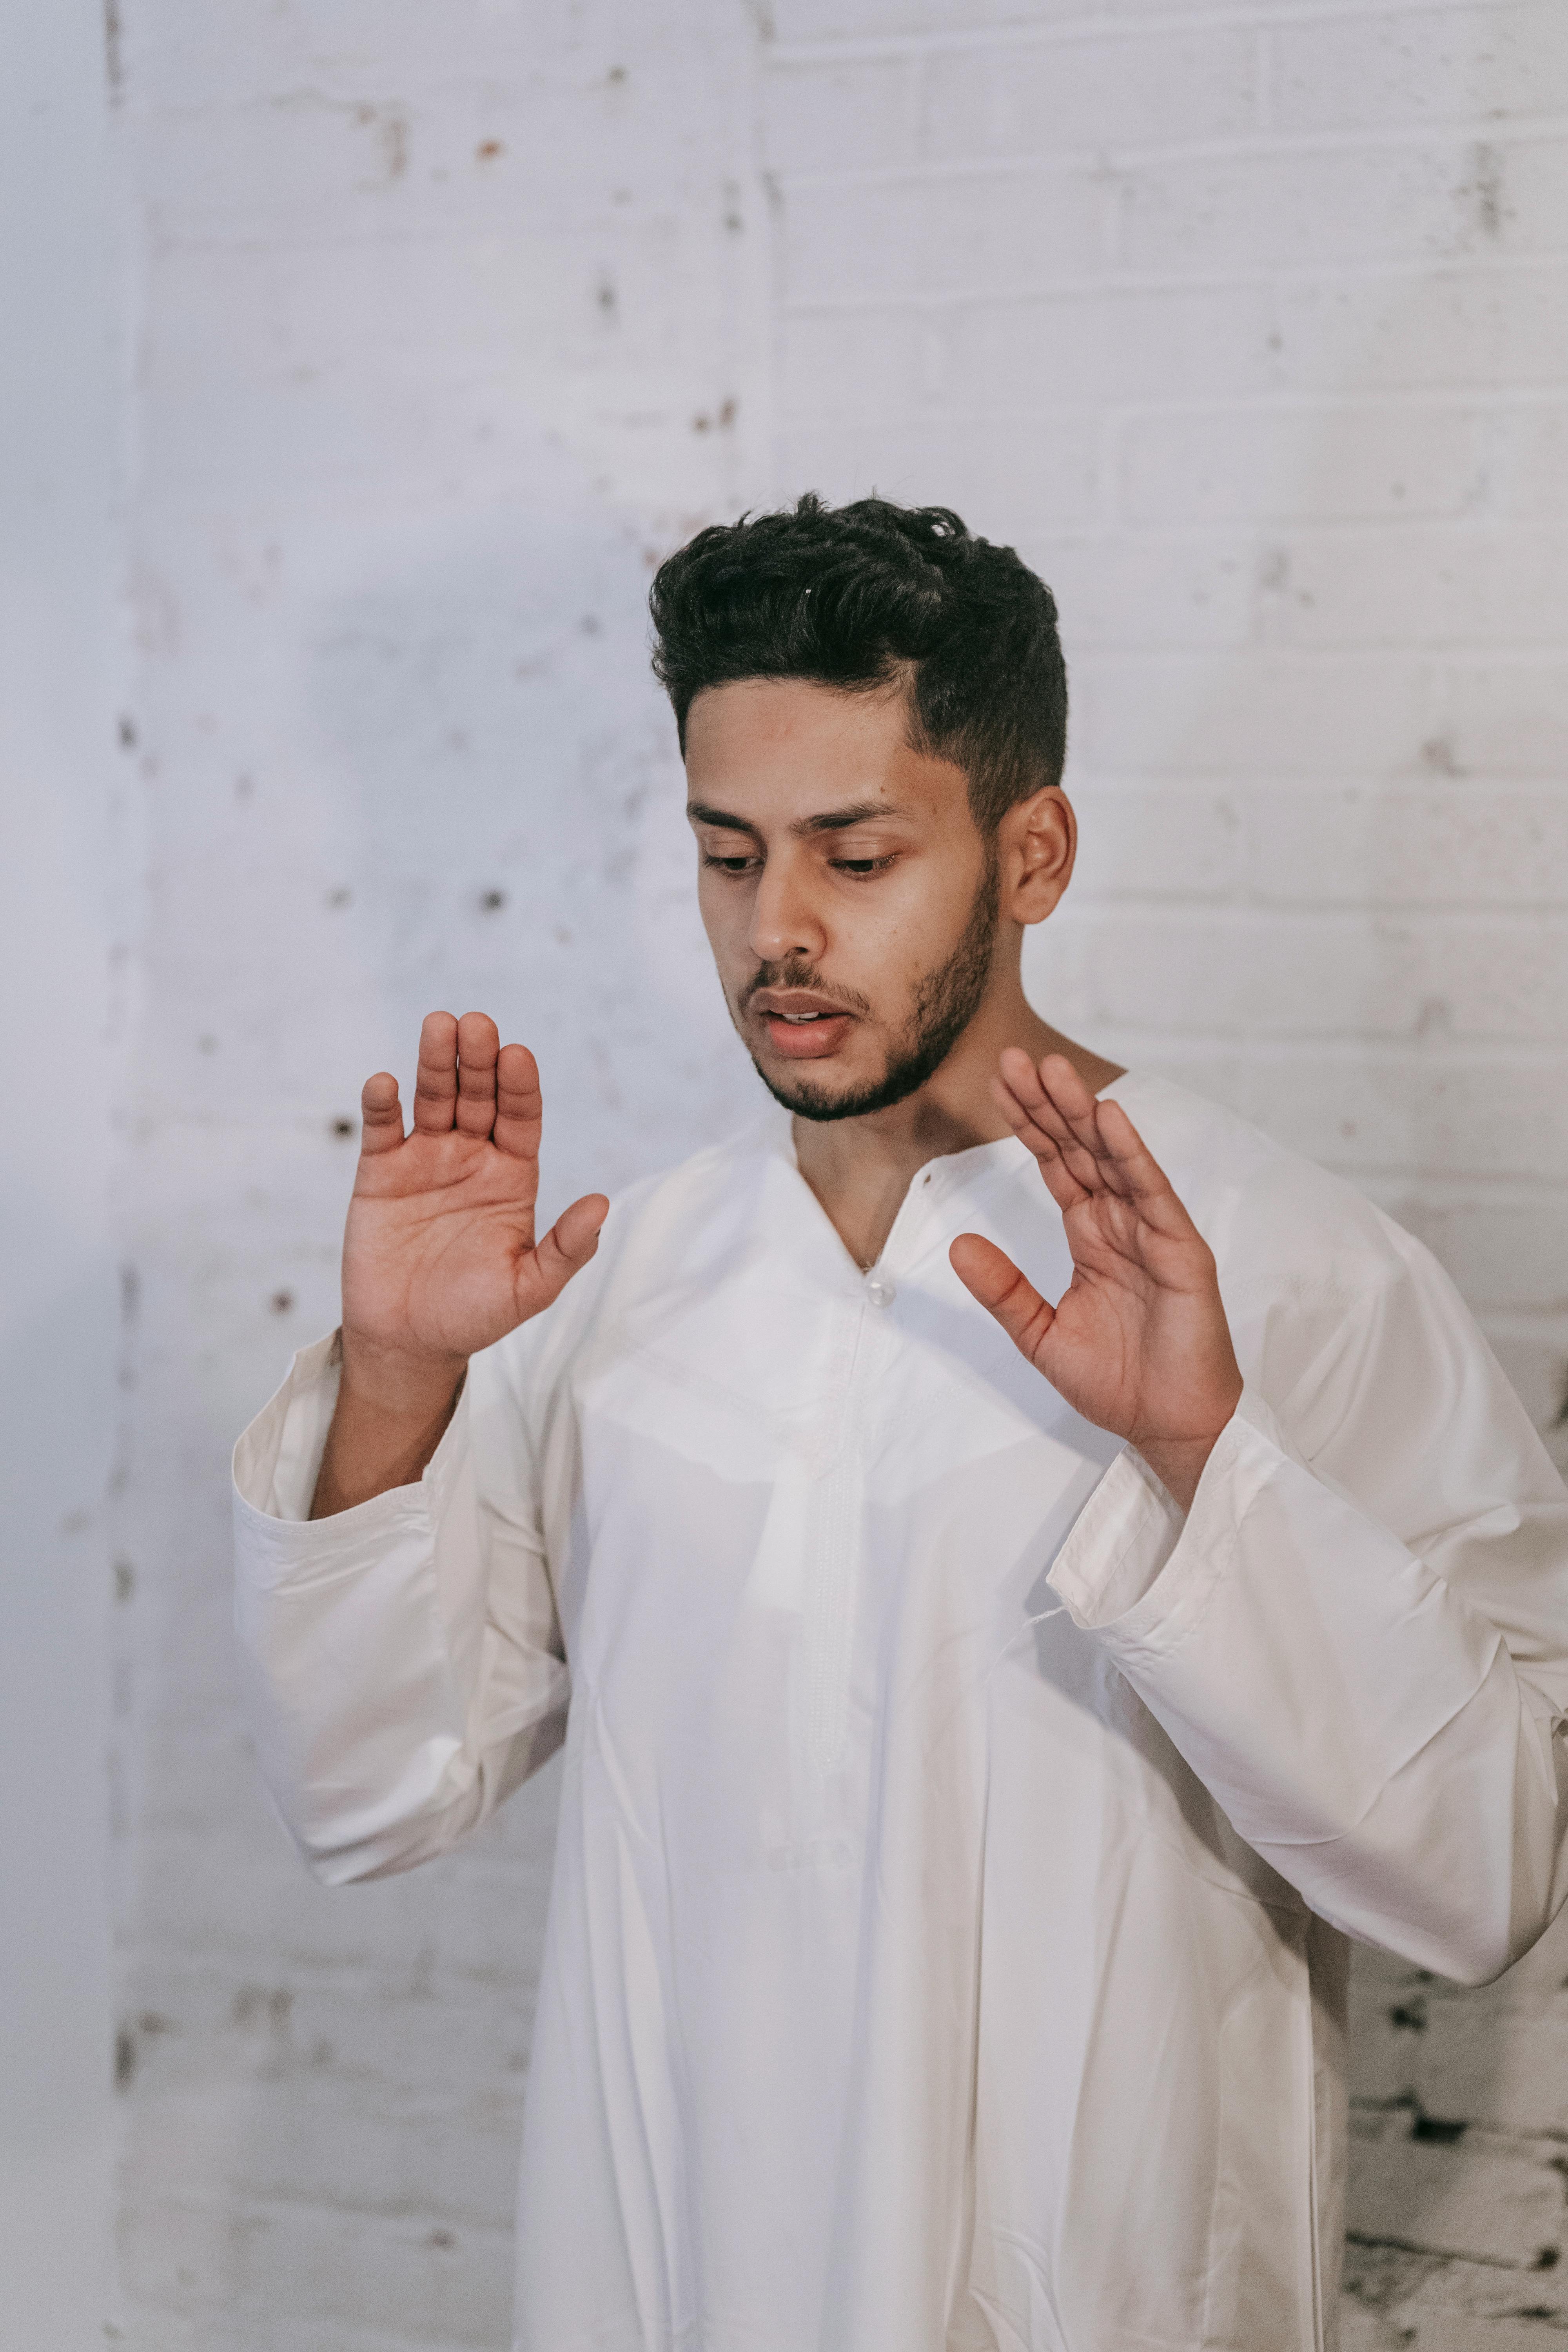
{"type": "Point", "coordinates": [863, 596]}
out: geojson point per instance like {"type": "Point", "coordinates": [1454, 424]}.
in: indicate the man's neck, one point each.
{"type": "Point", "coordinates": [860, 1169]}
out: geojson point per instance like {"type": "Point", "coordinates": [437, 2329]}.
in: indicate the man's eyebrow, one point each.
{"type": "Point", "coordinates": [838, 820]}
{"type": "Point", "coordinates": [700, 813]}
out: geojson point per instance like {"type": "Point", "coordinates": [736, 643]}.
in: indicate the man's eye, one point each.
{"type": "Point", "coordinates": [729, 865]}
{"type": "Point", "coordinates": [860, 867]}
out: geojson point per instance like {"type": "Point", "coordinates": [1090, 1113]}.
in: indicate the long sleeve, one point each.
{"type": "Point", "coordinates": [402, 1660]}
{"type": "Point", "coordinates": [1358, 1637]}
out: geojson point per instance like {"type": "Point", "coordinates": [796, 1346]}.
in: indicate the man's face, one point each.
{"type": "Point", "coordinates": [849, 897]}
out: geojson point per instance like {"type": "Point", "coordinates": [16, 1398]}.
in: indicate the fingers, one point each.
{"type": "Point", "coordinates": [479, 1049]}
{"type": "Point", "coordinates": [519, 1103]}
{"type": "Point", "coordinates": [382, 1114]}
{"type": "Point", "coordinates": [469, 1080]}
{"type": "Point", "coordinates": [1143, 1178]}
{"type": "Point", "coordinates": [1006, 1091]}
{"type": "Point", "coordinates": [436, 1087]}
{"type": "Point", "coordinates": [1044, 1127]}
{"type": "Point", "coordinates": [565, 1249]}
{"type": "Point", "coordinates": [990, 1275]}
{"type": "Point", "coordinates": [1054, 1113]}
{"type": "Point", "coordinates": [1086, 1144]}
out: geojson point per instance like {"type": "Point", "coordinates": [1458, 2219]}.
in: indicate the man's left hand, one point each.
{"type": "Point", "coordinates": [1138, 1343]}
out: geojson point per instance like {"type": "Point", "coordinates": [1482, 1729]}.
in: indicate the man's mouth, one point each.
{"type": "Point", "coordinates": [799, 1025]}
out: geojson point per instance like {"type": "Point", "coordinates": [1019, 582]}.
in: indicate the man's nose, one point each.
{"type": "Point", "coordinates": [784, 921]}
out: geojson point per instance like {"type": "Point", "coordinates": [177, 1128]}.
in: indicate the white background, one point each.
{"type": "Point", "coordinates": [404, 343]}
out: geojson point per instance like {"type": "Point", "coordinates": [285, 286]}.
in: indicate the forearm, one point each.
{"type": "Point", "coordinates": [1363, 1727]}
{"type": "Point", "coordinates": [392, 1413]}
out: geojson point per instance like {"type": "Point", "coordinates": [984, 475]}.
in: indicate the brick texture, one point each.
{"type": "Point", "coordinates": [1248, 325]}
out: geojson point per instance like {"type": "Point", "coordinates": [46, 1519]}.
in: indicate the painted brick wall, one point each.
{"type": "Point", "coordinates": [1247, 323]}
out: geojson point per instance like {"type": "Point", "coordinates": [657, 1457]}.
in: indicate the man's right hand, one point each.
{"type": "Point", "coordinates": [439, 1256]}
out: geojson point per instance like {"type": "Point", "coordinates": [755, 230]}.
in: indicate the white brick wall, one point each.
{"type": "Point", "coordinates": [1247, 323]}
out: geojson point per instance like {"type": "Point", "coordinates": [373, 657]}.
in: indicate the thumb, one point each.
{"type": "Point", "coordinates": [563, 1251]}
{"type": "Point", "coordinates": [989, 1275]}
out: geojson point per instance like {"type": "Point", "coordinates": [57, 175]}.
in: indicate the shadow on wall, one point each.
{"type": "Point", "coordinates": [513, 813]}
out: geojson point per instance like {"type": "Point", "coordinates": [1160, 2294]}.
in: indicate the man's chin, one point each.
{"type": "Point", "coordinates": [821, 1099]}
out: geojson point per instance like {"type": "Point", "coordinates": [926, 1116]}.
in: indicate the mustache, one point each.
{"type": "Point", "coordinates": [795, 971]}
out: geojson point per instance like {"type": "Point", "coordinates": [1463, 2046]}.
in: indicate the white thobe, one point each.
{"type": "Point", "coordinates": [946, 1946]}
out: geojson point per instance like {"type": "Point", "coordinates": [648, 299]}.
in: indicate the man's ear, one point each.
{"type": "Point", "coordinates": [1036, 844]}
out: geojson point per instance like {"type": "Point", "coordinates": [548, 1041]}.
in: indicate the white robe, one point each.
{"type": "Point", "coordinates": [946, 1946]}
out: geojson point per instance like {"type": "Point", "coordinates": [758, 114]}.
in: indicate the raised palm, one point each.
{"type": "Point", "coordinates": [439, 1255]}
{"type": "Point", "coordinates": [1138, 1342]}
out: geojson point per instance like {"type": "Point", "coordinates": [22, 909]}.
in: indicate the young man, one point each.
{"type": "Point", "coordinates": [976, 1754]}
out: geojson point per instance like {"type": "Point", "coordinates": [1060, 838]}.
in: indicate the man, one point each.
{"type": "Point", "coordinates": [976, 1754]}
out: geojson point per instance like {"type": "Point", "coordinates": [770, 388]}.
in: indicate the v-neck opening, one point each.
{"type": "Point", "coordinates": [777, 1127]}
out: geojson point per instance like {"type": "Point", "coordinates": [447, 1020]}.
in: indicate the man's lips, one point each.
{"type": "Point", "coordinates": [800, 1025]}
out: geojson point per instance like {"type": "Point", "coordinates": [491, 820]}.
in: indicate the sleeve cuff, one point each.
{"type": "Point", "coordinates": [1138, 1567]}
{"type": "Point", "coordinates": [278, 1460]}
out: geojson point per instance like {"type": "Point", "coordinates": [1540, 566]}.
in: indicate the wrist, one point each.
{"type": "Point", "coordinates": [404, 1384]}
{"type": "Point", "coordinates": [1179, 1463]}
{"type": "Point", "coordinates": [393, 1410]}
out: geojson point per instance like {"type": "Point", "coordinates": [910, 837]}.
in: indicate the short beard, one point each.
{"type": "Point", "coordinates": [946, 1002]}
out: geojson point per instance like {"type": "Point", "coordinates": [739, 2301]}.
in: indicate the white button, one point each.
{"type": "Point", "coordinates": [880, 1290]}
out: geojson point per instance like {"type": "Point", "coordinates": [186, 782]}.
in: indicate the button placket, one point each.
{"type": "Point", "coordinates": [834, 1570]}
{"type": "Point", "coordinates": [912, 1227]}
{"type": "Point", "coordinates": [836, 1528]}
